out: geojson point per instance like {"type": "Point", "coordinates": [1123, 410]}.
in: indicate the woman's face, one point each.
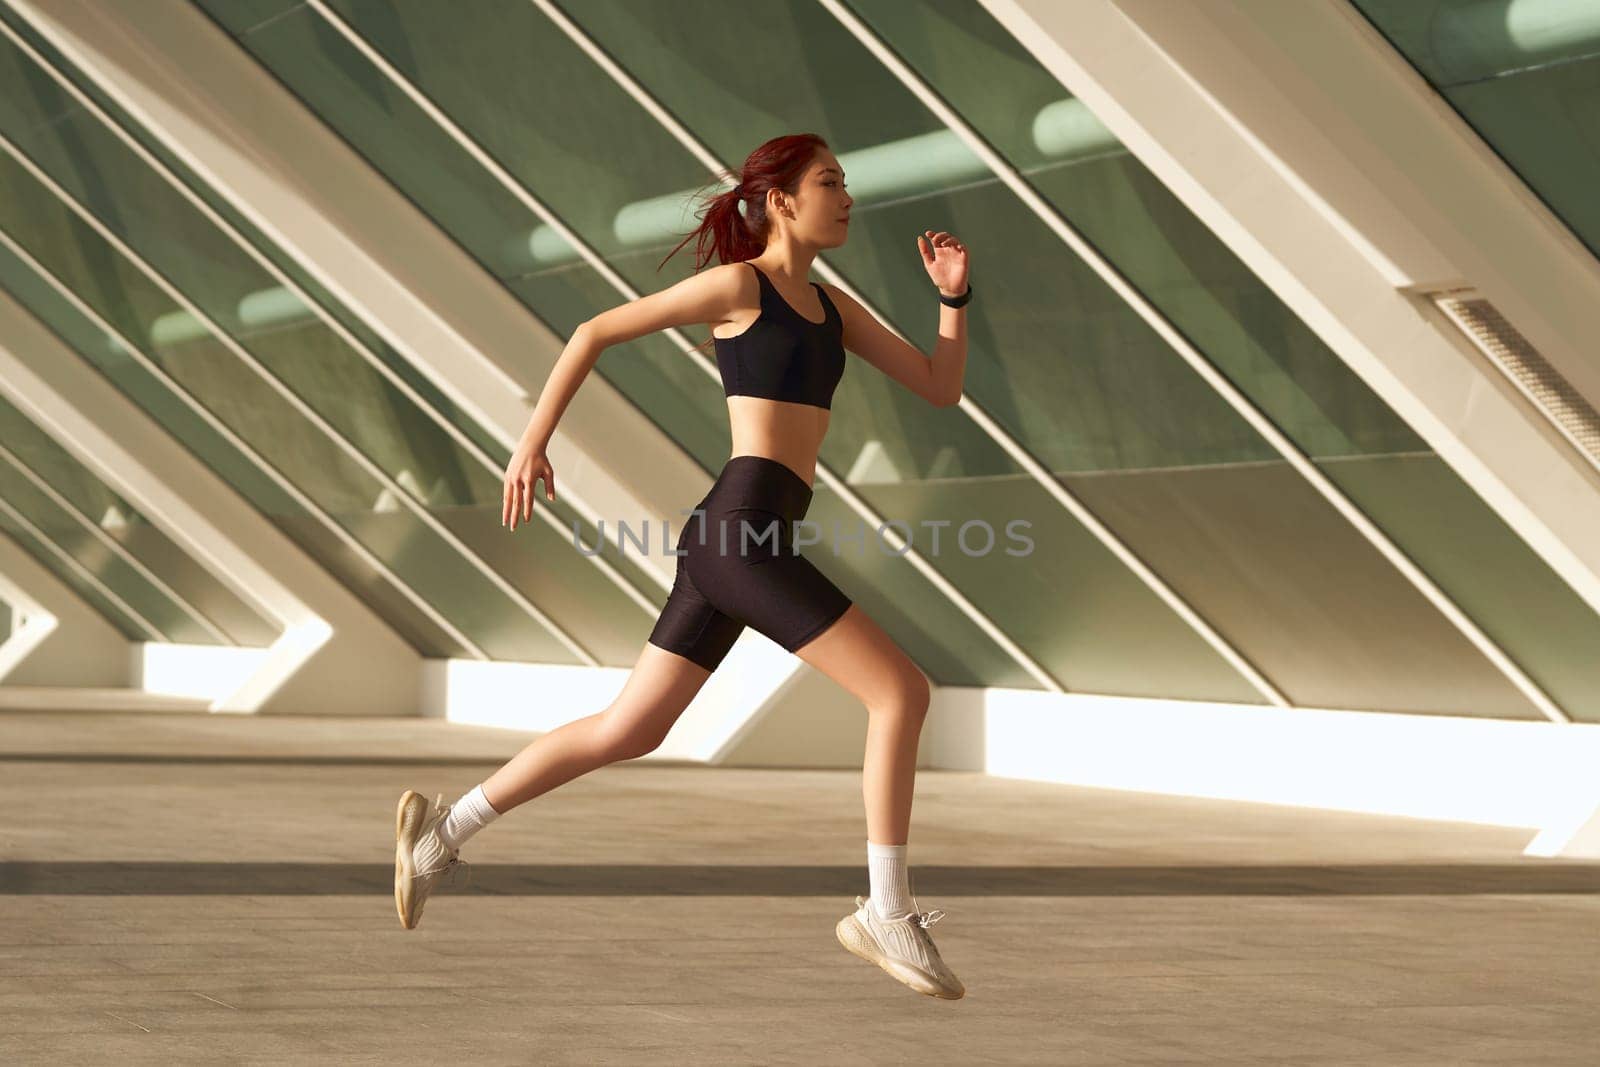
{"type": "Point", "coordinates": [821, 206]}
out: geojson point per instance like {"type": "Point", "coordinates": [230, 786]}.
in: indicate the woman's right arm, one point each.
{"type": "Point", "coordinates": [708, 296]}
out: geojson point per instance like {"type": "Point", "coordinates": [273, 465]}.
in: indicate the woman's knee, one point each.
{"type": "Point", "coordinates": [618, 739]}
{"type": "Point", "coordinates": [907, 696]}
{"type": "Point", "coordinates": [918, 691]}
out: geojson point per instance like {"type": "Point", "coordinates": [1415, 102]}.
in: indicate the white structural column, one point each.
{"type": "Point", "coordinates": [1335, 172]}
{"type": "Point", "coordinates": [334, 657]}
{"type": "Point", "coordinates": [63, 641]}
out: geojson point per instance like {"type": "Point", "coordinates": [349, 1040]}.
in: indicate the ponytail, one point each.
{"type": "Point", "coordinates": [733, 237]}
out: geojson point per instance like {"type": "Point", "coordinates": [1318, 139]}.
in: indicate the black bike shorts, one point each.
{"type": "Point", "coordinates": [739, 568]}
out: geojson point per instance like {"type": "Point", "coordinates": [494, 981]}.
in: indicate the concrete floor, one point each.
{"type": "Point", "coordinates": [219, 890]}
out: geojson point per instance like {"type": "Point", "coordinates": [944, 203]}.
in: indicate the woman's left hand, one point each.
{"type": "Point", "coordinates": [946, 261]}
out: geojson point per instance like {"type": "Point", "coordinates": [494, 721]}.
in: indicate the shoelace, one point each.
{"type": "Point", "coordinates": [923, 919]}
{"type": "Point", "coordinates": [450, 867]}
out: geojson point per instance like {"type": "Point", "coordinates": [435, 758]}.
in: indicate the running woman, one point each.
{"type": "Point", "coordinates": [780, 346]}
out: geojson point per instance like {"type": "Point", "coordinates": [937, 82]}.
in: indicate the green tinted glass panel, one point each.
{"type": "Point", "coordinates": [1526, 76]}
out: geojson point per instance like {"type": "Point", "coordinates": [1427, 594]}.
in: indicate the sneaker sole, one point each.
{"type": "Point", "coordinates": [409, 816]}
{"type": "Point", "coordinates": [859, 942]}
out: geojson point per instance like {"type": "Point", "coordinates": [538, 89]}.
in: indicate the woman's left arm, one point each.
{"type": "Point", "coordinates": [946, 261]}
{"type": "Point", "coordinates": [937, 379]}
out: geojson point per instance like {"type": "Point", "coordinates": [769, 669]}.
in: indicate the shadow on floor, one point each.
{"type": "Point", "coordinates": [139, 878]}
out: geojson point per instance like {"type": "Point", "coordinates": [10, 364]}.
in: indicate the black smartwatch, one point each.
{"type": "Point", "coordinates": [956, 301]}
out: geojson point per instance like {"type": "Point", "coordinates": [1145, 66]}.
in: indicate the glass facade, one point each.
{"type": "Point", "coordinates": [223, 337]}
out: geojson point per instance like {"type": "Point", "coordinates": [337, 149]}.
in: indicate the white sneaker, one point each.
{"type": "Point", "coordinates": [420, 858]}
{"type": "Point", "coordinates": [903, 947]}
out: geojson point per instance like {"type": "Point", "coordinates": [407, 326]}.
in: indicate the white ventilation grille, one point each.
{"type": "Point", "coordinates": [1563, 405]}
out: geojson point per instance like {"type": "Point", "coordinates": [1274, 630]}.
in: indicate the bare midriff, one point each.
{"type": "Point", "coordinates": [779, 430]}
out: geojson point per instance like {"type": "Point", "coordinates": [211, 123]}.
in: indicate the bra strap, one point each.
{"type": "Point", "coordinates": [827, 302]}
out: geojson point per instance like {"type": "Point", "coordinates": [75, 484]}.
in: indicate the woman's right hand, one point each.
{"type": "Point", "coordinates": [527, 466]}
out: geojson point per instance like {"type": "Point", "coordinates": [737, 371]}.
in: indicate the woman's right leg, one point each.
{"type": "Point", "coordinates": [656, 693]}
{"type": "Point", "coordinates": [689, 641]}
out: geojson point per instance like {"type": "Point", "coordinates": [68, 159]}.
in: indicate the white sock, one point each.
{"type": "Point", "coordinates": [469, 815]}
{"type": "Point", "coordinates": [891, 891]}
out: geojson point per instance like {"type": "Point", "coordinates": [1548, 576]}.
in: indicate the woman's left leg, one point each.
{"type": "Point", "coordinates": [855, 652]}
{"type": "Point", "coordinates": [886, 929]}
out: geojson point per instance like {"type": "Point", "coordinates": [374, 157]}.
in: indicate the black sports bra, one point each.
{"type": "Point", "coordinates": [783, 355]}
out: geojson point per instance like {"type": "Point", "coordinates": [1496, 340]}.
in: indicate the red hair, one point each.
{"type": "Point", "coordinates": [725, 233]}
